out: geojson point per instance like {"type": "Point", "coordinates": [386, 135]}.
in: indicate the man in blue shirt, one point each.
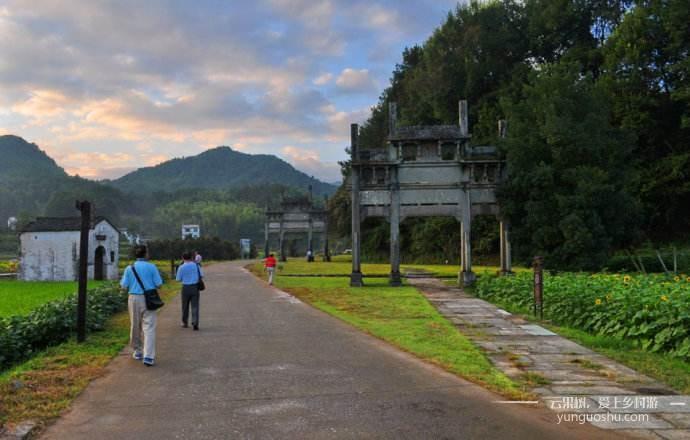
{"type": "Point", "coordinates": [189, 274]}
{"type": "Point", "coordinates": [142, 320]}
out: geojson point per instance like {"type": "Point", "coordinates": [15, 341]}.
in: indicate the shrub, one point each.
{"type": "Point", "coordinates": [653, 311]}
{"type": "Point", "coordinates": [55, 322]}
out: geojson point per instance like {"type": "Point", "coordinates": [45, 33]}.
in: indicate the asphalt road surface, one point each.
{"type": "Point", "coordinates": [265, 366]}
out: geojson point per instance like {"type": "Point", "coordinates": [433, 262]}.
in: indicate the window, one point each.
{"type": "Point", "coordinates": [409, 152]}
{"type": "Point", "coordinates": [448, 152]}
{"type": "Point", "coordinates": [380, 176]}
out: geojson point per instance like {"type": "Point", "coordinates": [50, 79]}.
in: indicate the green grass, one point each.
{"type": "Point", "coordinates": [44, 386]}
{"type": "Point", "coordinates": [403, 317]}
{"type": "Point", "coordinates": [20, 297]}
{"type": "Point", "coordinates": [342, 266]}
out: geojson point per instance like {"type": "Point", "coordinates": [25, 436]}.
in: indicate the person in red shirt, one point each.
{"type": "Point", "coordinates": [270, 266]}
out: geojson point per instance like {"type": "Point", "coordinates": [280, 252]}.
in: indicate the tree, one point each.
{"type": "Point", "coordinates": [647, 76]}
{"type": "Point", "coordinates": [568, 196]}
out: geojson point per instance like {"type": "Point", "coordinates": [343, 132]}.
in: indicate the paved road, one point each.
{"type": "Point", "coordinates": [267, 366]}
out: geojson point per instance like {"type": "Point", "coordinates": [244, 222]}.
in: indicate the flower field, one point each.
{"type": "Point", "coordinates": [8, 266]}
{"type": "Point", "coordinates": [653, 311]}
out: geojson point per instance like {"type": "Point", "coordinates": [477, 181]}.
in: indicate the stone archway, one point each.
{"type": "Point", "coordinates": [99, 264]}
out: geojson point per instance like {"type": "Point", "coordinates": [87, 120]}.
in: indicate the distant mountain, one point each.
{"type": "Point", "coordinates": [32, 184]}
{"type": "Point", "coordinates": [220, 167]}
{"type": "Point", "coordinates": [22, 160]}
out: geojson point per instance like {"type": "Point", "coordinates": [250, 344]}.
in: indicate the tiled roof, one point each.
{"type": "Point", "coordinates": [56, 224]}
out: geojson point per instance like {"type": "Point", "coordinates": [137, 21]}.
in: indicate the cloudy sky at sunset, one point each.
{"type": "Point", "coordinates": [108, 86]}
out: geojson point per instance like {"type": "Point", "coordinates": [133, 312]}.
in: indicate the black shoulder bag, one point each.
{"type": "Point", "coordinates": [200, 285]}
{"type": "Point", "coordinates": [153, 299]}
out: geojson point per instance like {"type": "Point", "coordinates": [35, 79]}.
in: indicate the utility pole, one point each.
{"type": "Point", "coordinates": [85, 208]}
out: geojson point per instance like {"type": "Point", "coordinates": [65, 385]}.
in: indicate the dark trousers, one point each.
{"type": "Point", "coordinates": [190, 294]}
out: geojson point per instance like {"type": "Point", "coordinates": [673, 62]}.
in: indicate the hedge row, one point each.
{"type": "Point", "coordinates": [55, 322]}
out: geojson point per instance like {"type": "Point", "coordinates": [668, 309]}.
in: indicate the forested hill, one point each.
{"type": "Point", "coordinates": [597, 99]}
{"type": "Point", "coordinates": [21, 159]}
{"type": "Point", "coordinates": [220, 167]}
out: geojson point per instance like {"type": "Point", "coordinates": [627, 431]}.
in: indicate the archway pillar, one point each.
{"type": "Point", "coordinates": [394, 217]}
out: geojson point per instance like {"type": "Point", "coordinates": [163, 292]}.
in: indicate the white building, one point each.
{"type": "Point", "coordinates": [50, 249]}
{"type": "Point", "coordinates": [191, 231]}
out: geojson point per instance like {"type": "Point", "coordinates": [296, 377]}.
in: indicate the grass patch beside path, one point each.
{"type": "Point", "coordinates": [44, 386]}
{"type": "Point", "coordinates": [21, 297]}
{"type": "Point", "coordinates": [403, 317]}
{"type": "Point", "coordinates": [342, 267]}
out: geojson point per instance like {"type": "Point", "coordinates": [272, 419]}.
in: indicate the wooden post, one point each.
{"type": "Point", "coordinates": [538, 266]}
{"type": "Point", "coordinates": [85, 208]}
{"type": "Point", "coordinates": [395, 280]}
{"type": "Point", "coordinates": [356, 275]}
{"type": "Point", "coordinates": [506, 262]}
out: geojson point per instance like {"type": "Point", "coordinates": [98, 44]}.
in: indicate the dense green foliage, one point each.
{"type": "Point", "coordinates": [55, 322]}
{"type": "Point", "coordinates": [596, 94]}
{"type": "Point", "coordinates": [652, 311]}
{"type": "Point", "coordinates": [219, 167]}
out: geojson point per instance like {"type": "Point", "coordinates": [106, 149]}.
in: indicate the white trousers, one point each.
{"type": "Point", "coordinates": [143, 326]}
{"type": "Point", "coordinates": [271, 271]}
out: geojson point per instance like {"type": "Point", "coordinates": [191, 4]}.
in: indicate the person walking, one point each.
{"type": "Point", "coordinates": [197, 258]}
{"type": "Point", "coordinates": [270, 266]}
{"type": "Point", "coordinates": [189, 274]}
{"type": "Point", "coordinates": [139, 276]}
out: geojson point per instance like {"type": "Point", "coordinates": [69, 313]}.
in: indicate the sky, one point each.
{"type": "Point", "coordinates": [105, 87]}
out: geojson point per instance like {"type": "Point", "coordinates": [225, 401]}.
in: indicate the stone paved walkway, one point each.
{"type": "Point", "coordinates": [574, 379]}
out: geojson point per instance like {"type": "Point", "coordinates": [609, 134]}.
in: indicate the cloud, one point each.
{"type": "Point", "coordinates": [357, 81]}
{"type": "Point", "coordinates": [309, 161]}
{"type": "Point", "coordinates": [323, 79]}
{"type": "Point", "coordinates": [156, 80]}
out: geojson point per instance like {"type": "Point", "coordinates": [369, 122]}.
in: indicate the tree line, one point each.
{"type": "Point", "coordinates": [596, 94]}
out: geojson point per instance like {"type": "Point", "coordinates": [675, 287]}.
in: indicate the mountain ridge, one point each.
{"type": "Point", "coordinates": [216, 168]}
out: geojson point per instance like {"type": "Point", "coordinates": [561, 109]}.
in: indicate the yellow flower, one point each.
{"type": "Point", "coordinates": [676, 279]}
{"type": "Point", "coordinates": [664, 298]}
{"type": "Point", "coordinates": [597, 301]}
{"type": "Point", "coordinates": [687, 279]}
{"type": "Point", "coordinates": [626, 279]}
{"type": "Point", "coordinates": [608, 297]}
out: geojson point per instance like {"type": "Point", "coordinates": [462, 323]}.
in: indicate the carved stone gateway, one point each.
{"type": "Point", "coordinates": [426, 171]}
{"type": "Point", "coordinates": [297, 216]}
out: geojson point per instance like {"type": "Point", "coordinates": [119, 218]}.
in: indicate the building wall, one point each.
{"type": "Point", "coordinates": [54, 256]}
{"type": "Point", "coordinates": [49, 256]}
{"type": "Point", "coordinates": [112, 250]}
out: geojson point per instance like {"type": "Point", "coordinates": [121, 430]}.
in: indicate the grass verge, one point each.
{"type": "Point", "coordinates": [403, 317]}
{"type": "Point", "coordinates": [45, 385]}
